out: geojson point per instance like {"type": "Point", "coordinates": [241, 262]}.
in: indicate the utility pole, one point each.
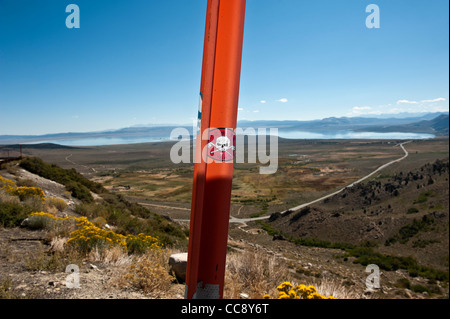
{"type": "Point", "coordinates": [215, 149]}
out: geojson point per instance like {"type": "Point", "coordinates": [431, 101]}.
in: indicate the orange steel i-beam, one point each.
{"type": "Point", "coordinates": [215, 146]}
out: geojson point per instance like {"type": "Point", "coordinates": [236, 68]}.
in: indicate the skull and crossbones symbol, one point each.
{"type": "Point", "coordinates": [223, 144]}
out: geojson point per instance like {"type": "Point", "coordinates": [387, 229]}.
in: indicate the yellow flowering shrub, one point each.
{"type": "Point", "coordinates": [7, 184]}
{"type": "Point", "coordinates": [141, 243]}
{"type": "Point", "coordinates": [22, 192]}
{"type": "Point", "coordinates": [25, 192]}
{"type": "Point", "coordinates": [51, 216]}
{"type": "Point", "coordinates": [287, 291]}
{"type": "Point", "coordinates": [43, 220]}
{"type": "Point", "coordinates": [89, 236]}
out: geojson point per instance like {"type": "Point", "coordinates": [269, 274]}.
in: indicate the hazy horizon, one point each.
{"type": "Point", "coordinates": [137, 126]}
{"type": "Point", "coordinates": [137, 62]}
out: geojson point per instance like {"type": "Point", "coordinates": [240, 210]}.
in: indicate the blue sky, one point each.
{"type": "Point", "coordinates": [139, 62]}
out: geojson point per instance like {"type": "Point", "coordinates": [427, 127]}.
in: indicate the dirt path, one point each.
{"type": "Point", "coordinates": [72, 162]}
{"type": "Point", "coordinates": [164, 206]}
{"type": "Point", "coordinates": [354, 183]}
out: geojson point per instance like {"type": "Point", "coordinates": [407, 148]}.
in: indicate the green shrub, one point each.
{"type": "Point", "coordinates": [419, 288]}
{"type": "Point", "coordinates": [79, 191]}
{"type": "Point", "coordinates": [403, 283]}
{"type": "Point", "coordinates": [43, 261]}
{"type": "Point", "coordinates": [36, 222]}
{"type": "Point", "coordinates": [26, 182]}
{"type": "Point", "coordinates": [408, 231]}
{"type": "Point", "coordinates": [33, 203]}
{"type": "Point", "coordinates": [5, 289]}
{"type": "Point", "coordinates": [12, 214]}
{"type": "Point", "coordinates": [74, 181]}
{"type": "Point", "coordinates": [423, 197]}
{"type": "Point", "coordinates": [412, 210]}
{"type": "Point", "coordinates": [366, 256]}
{"type": "Point", "coordinates": [422, 243]}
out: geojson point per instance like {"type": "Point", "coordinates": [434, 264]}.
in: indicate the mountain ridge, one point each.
{"type": "Point", "coordinates": [434, 123]}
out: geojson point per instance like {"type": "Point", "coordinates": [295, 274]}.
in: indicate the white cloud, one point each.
{"type": "Point", "coordinates": [434, 100]}
{"type": "Point", "coordinates": [436, 109]}
{"type": "Point", "coordinates": [283, 100]}
{"type": "Point", "coordinates": [361, 108]}
{"type": "Point", "coordinates": [402, 106]}
{"type": "Point", "coordinates": [240, 109]}
{"type": "Point", "coordinates": [407, 102]}
{"type": "Point", "coordinates": [263, 101]}
{"type": "Point", "coordinates": [256, 111]}
{"type": "Point", "coordinates": [397, 110]}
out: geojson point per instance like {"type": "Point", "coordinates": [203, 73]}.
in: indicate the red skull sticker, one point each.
{"type": "Point", "coordinates": [221, 146]}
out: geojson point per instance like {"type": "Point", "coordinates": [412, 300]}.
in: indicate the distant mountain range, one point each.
{"type": "Point", "coordinates": [431, 123]}
{"type": "Point", "coordinates": [437, 126]}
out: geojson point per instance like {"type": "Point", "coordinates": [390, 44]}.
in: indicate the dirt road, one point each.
{"type": "Point", "coordinates": [245, 220]}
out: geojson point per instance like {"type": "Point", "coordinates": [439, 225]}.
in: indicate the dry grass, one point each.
{"type": "Point", "coordinates": [149, 273]}
{"type": "Point", "coordinates": [57, 244]}
{"type": "Point", "coordinates": [253, 273]}
{"type": "Point", "coordinates": [7, 198]}
{"type": "Point", "coordinates": [55, 203]}
{"type": "Point", "coordinates": [330, 287]}
{"type": "Point", "coordinates": [115, 256]}
{"type": "Point", "coordinates": [256, 274]}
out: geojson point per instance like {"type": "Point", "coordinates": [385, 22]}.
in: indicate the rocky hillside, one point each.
{"type": "Point", "coordinates": [34, 257]}
{"type": "Point", "coordinates": [393, 217]}
{"type": "Point", "coordinates": [52, 218]}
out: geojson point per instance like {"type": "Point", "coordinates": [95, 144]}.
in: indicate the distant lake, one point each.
{"type": "Point", "coordinates": [97, 141]}
{"type": "Point", "coordinates": [339, 135]}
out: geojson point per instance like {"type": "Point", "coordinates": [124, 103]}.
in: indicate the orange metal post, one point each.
{"type": "Point", "coordinates": [214, 171]}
